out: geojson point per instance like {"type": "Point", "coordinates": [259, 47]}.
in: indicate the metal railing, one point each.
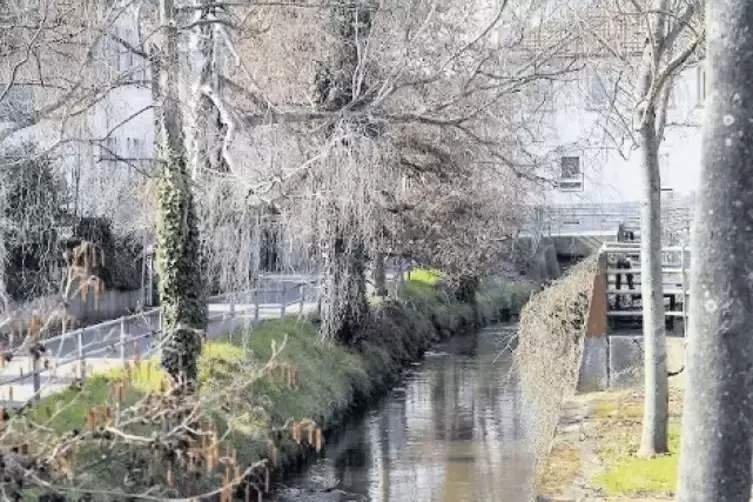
{"type": "Point", "coordinates": [608, 217]}
{"type": "Point", "coordinates": [675, 281]}
{"type": "Point", "coordinates": [112, 338]}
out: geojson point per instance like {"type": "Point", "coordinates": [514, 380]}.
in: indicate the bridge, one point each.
{"type": "Point", "coordinates": [579, 230]}
{"type": "Point", "coordinates": [74, 355]}
{"type": "Point", "coordinates": [613, 348]}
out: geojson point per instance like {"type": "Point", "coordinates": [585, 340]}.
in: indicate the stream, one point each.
{"type": "Point", "coordinates": [451, 432]}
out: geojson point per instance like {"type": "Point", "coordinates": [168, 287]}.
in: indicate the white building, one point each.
{"type": "Point", "coordinates": [594, 161]}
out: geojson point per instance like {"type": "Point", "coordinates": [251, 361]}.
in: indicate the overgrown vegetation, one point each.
{"type": "Point", "coordinates": [266, 398]}
{"type": "Point", "coordinates": [32, 197]}
{"type": "Point", "coordinates": [552, 328]}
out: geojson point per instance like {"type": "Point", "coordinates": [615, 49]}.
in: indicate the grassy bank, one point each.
{"type": "Point", "coordinates": [268, 398]}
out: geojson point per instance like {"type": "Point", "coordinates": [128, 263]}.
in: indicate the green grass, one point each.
{"type": "Point", "coordinates": [430, 276]}
{"type": "Point", "coordinates": [628, 474]}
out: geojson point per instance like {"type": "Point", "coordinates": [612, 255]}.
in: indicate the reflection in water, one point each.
{"type": "Point", "coordinates": [451, 433]}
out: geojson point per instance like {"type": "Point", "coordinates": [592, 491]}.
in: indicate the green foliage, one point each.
{"type": "Point", "coordinates": [181, 285]}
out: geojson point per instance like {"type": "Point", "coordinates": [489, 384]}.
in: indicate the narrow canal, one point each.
{"type": "Point", "coordinates": [451, 432]}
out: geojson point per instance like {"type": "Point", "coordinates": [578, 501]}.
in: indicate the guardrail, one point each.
{"type": "Point", "coordinates": [675, 281]}
{"type": "Point", "coordinates": [586, 217]}
{"type": "Point", "coordinates": [113, 337]}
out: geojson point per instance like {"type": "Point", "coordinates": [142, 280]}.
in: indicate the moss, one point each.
{"type": "Point", "coordinates": [332, 379]}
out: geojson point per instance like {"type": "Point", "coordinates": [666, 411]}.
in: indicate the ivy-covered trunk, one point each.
{"type": "Point", "coordinates": [344, 305]}
{"type": "Point", "coordinates": [338, 85]}
{"type": "Point", "coordinates": [181, 285]}
{"type": "Point", "coordinates": [380, 274]}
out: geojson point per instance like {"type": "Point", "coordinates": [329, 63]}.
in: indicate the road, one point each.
{"type": "Point", "coordinates": [101, 343]}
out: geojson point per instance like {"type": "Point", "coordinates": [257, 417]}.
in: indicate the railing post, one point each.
{"type": "Point", "coordinates": [232, 312]}
{"type": "Point", "coordinates": [80, 349]}
{"type": "Point", "coordinates": [35, 375]}
{"type": "Point", "coordinates": [684, 292]}
{"type": "Point", "coordinates": [122, 339]}
{"type": "Point", "coordinates": [302, 294]}
{"type": "Point", "coordinates": [256, 306]}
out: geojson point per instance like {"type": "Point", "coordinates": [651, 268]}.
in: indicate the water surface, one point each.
{"type": "Point", "coordinates": [450, 432]}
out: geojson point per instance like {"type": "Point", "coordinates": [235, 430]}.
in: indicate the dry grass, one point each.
{"type": "Point", "coordinates": [563, 467]}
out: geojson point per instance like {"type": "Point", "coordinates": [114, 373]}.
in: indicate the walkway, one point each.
{"type": "Point", "coordinates": [97, 348]}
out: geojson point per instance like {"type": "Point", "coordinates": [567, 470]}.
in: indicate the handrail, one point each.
{"type": "Point", "coordinates": [107, 343]}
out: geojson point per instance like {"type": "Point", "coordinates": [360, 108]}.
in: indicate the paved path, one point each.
{"type": "Point", "coordinates": [102, 344]}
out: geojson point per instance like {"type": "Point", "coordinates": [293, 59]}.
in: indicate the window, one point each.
{"type": "Point", "coordinates": [571, 174]}
{"type": "Point", "coordinates": [702, 81]}
{"type": "Point", "coordinates": [18, 103]}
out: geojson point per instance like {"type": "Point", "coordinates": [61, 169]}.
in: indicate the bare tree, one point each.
{"type": "Point", "coordinates": [640, 87]}
{"type": "Point", "coordinates": [716, 430]}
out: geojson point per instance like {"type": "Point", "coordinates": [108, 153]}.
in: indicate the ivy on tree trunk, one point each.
{"type": "Point", "coordinates": [181, 285]}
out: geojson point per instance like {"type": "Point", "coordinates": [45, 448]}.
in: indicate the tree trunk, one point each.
{"type": "Point", "coordinates": [181, 288]}
{"type": "Point", "coordinates": [656, 385]}
{"type": "Point", "coordinates": [717, 425]}
{"type": "Point", "coordinates": [380, 275]}
{"type": "Point", "coordinates": [344, 304]}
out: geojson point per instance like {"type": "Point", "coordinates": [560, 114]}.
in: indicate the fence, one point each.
{"type": "Point", "coordinates": [608, 217]}
{"type": "Point", "coordinates": [112, 343]}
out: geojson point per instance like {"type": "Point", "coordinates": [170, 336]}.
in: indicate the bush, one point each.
{"type": "Point", "coordinates": [32, 202]}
